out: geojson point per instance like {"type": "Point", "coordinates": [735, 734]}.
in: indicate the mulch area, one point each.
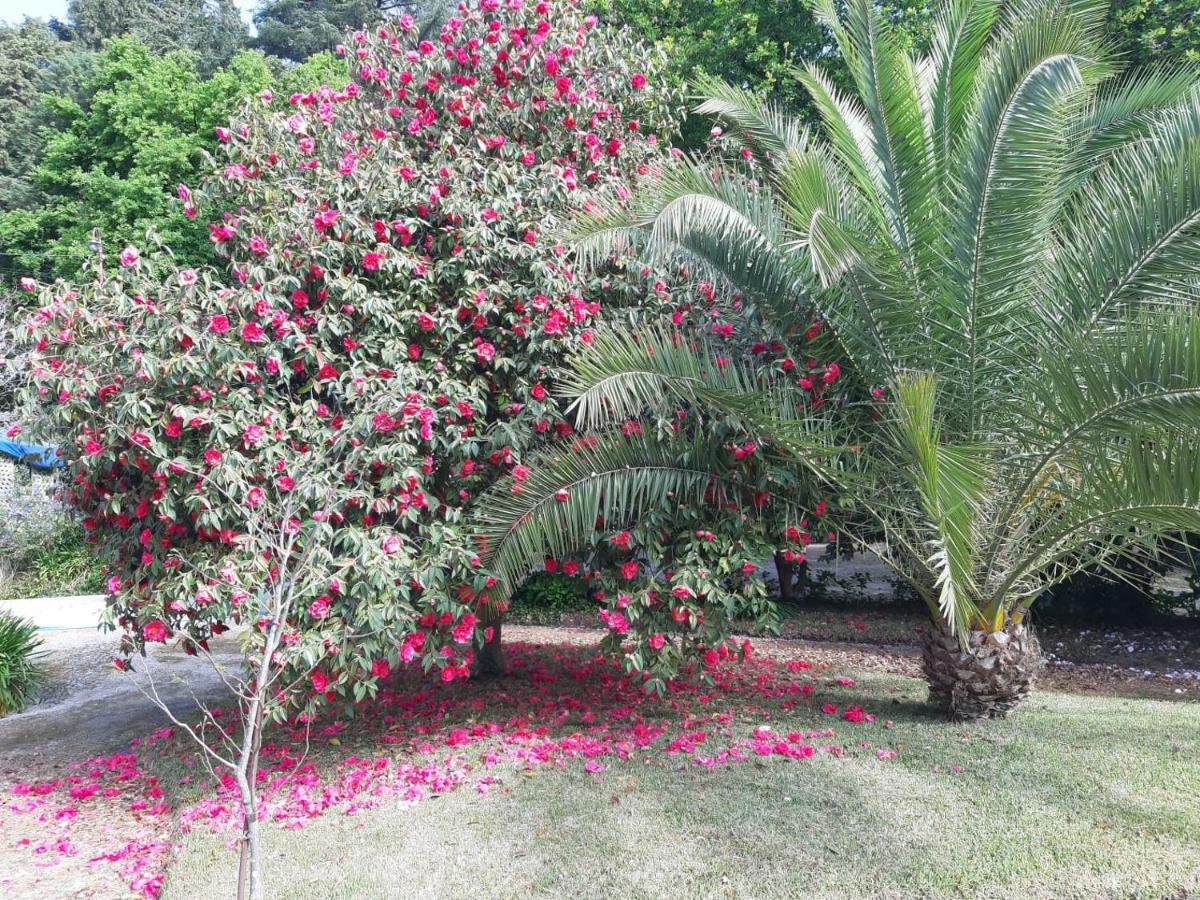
{"type": "Point", "coordinates": [1100, 678]}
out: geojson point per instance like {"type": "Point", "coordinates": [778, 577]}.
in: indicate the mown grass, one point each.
{"type": "Point", "coordinates": [1073, 797]}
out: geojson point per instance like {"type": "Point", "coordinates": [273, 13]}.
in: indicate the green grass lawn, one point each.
{"type": "Point", "coordinates": [1073, 797]}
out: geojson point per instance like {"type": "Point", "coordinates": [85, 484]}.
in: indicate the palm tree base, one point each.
{"type": "Point", "coordinates": [986, 680]}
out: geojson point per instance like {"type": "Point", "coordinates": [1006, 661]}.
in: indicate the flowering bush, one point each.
{"type": "Point", "coordinates": [378, 351]}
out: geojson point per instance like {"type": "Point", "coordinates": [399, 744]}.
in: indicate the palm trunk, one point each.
{"type": "Point", "coordinates": [989, 678]}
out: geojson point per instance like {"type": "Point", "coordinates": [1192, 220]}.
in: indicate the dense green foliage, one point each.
{"type": "Point", "coordinates": [26, 51]}
{"type": "Point", "coordinates": [546, 596]}
{"type": "Point", "coordinates": [20, 672]}
{"type": "Point", "coordinates": [61, 565]}
{"type": "Point", "coordinates": [115, 158]}
{"type": "Point", "coordinates": [114, 150]}
{"type": "Point", "coordinates": [753, 43]}
{"type": "Point", "coordinates": [1150, 31]}
{"type": "Point", "coordinates": [213, 29]}
{"type": "Point", "coordinates": [297, 29]}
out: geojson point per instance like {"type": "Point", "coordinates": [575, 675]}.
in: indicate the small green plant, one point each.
{"type": "Point", "coordinates": [63, 565]}
{"type": "Point", "coordinates": [21, 673]}
{"type": "Point", "coordinates": [546, 596]}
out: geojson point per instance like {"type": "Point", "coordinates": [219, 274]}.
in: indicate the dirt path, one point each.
{"type": "Point", "coordinates": [89, 707]}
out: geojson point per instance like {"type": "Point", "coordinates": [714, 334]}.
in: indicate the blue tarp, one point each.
{"type": "Point", "coordinates": [36, 457]}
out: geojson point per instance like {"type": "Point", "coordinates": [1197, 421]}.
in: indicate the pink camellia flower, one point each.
{"type": "Point", "coordinates": [561, 495]}
{"type": "Point", "coordinates": [187, 277]}
{"type": "Point", "coordinates": [425, 322]}
{"type": "Point", "coordinates": [252, 333]}
{"type": "Point", "coordinates": [259, 245]}
{"type": "Point", "coordinates": [629, 569]}
{"type": "Point", "coordinates": [485, 352]}
{"type": "Point", "coordinates": [319, 608]}
{"type": "Point", "coordinates": [285, 483]}
{"type": "Point", "coordinates": [537, 392]}
{"type": "Point", "coordinates": [223, 135]}
{"type": "Point", "coordinates": [13, 431]}
{"type": "Point", "coordinates": [212, 457]}
{"type": "Point", "coordinates": [254, 497]}
{"type": "Point", "coordinates": [129, 256]}
{"type": "Point", "coordinates": [657, 641]}
{"type": "Point", "coordinates": [320, 682]}
{"type": "Point", "coordinates": [854, 714]}
{"type": "Point", "coordinates": [218, 324]}
{"type": "Point", "coordinates": [155, 631]}
{"type": "Point", "coordinates": [638, 81]}
{"type": "Point", "coordinates": [371, 261]}
{"type": "Point", "coordinates": [28, 284]}
{"type": "Point", "coordinates": [392, 545]}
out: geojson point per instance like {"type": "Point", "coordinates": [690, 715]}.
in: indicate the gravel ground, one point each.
{"type": "Point", "coordinates": [89, 707]}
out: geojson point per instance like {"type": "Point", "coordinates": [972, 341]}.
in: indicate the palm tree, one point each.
{"type": "Point", "coordinates": [1004, 238]}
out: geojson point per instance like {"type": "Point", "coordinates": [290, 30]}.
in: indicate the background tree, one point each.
{"type": "Point", "coordinates": [26, 52]}
{"type": "Point", "coordinates": [1150, 31]}
{"type": "Point", "coordinates": [128, 128]}
{"type": "Point", "coordinates": [756, 44]}
{"type": "Point", "coordinates": [296, 29]}
{"type": "Point", "coordinates": [212, 29]}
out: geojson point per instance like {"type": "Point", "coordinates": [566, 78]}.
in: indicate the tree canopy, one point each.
{"type": "Point", "coordinates": [212, 28]}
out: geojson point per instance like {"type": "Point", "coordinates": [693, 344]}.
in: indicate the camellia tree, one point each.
{"type": "Point", "coordinates": [392, 290]}
{"type": "Point", "coordinates": [373, 353]}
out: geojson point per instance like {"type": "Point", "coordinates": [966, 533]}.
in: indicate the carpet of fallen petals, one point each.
{"type": "Point", "coordinates": [112, 818]}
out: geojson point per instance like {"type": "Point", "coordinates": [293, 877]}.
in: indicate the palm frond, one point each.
{"type": "Point", "coordinates": [950, 482]}
{"type": "Point", "coordinates": [730, 227]}
{"type": "Point", "coordinates": [960, 34]}
{"type": "Point", "coordinates": [626, 376]}
{"type": "Point", "coordinates": [1131, 235]}
{"type": "Point", "coordinates": [605, 478]}
{"type": "Point", "coordinates": [1005, 197]}
{"type": "Point", "coordinates": [1151, 490]}
{"type": "Point", "coordinates": [765, 126]}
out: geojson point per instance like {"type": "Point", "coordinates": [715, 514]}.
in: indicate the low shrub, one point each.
{"type": "Point", "coordinates": [546, 597]}
{"type": "Point", "coordinates": [21, 673]}
{"type": "Point", "coordinates": [62, 565]}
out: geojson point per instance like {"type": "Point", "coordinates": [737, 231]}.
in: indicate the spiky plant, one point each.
{"type": "Point", "coordinates": [21, 673]}
{"type": "Point", "coordinates": [1004, 238]}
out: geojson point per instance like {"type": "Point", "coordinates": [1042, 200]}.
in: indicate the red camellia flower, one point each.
{"type": "Point", "coordinates": [155, 630]}
{"type": "Point", "coordinates": [320, 682]}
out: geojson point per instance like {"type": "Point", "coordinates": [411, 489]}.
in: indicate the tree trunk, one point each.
{"type": "Point", "coordinates": [787, 579]}
{"type": "Point", "coordinates": [250, 867]}
{"type": "Point", "coordinates": [250, 885]}
{"type": "Point", "coordinates": [489, 661]}
{"type": "Point", "coordinates": [986, 680]}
